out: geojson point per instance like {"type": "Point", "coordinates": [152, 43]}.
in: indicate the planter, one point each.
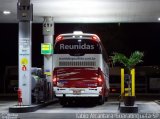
{"type": "Point", "coordinates": [129, 100]}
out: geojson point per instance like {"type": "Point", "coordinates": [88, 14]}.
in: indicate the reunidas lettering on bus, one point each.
{"type": "Point", "coordinates": [84, 46]}
{"type": "Point", "coordinates": [80, 68]}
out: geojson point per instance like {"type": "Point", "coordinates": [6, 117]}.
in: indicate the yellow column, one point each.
{"type": "Point", "coordinates": [133, 81]}
{"type": "Point", "coordinates": [122, 81]}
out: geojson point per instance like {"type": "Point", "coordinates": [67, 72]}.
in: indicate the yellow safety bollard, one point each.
{"type": "Point", "coordinates": [122, 81]}
{"type": "Point", "coordinates": [133, 81]}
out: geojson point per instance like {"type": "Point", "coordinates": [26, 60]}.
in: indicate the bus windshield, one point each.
{"type": "Point", "coordinates": [77, 47]}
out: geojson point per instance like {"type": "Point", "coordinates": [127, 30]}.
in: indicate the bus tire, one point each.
{"type": "Point", "coordinates": [101, 100]}
{"type": "Point", "coordinates": [63, 102]}
{"type": "Point", "coordinates": [106, 99]}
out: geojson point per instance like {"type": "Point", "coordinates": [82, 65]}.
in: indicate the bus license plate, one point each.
{"type": "Point", "coordinates": [76, 92]}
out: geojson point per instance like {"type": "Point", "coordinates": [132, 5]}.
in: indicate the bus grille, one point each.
{"type": "Point", "coordinates": [77, 63]}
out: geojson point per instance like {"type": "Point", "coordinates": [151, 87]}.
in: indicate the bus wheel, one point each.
{"type": "Point", "coordinates": [106, 99]}
{"type": "Point", "coordinates": [101, 100]}
{"type": "Point", "coordinates": [63, 102]}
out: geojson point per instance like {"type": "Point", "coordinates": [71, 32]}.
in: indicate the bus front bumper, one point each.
{"type": "Point", "coordinates": [77, 92]}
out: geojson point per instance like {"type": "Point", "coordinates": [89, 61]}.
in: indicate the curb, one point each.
{"type": "Point", "coordinates": [128, 109]}
{"type": "Point", "coordinates": [32, 108]}
{"type": "Point", "coordinates": [157, 101]}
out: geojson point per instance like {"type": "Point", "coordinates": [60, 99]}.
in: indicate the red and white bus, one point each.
{"type": "Point", "coordinates": [80, 68]}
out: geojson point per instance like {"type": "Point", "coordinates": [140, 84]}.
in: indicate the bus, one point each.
{"type": "Point", "coordinates": [80, 68]}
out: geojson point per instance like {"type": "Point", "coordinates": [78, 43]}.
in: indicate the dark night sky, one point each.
{"type": "Point", "coordinates": [124, 38]}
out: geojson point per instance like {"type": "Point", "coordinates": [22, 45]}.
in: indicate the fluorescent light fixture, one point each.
{"type": "Point", "coordinates": [79, 40]}
{"type": "Point", "coordinates": [6, 12]}
{"type": "Point", "coordinates": [159, 19]}
{"type": "Point", "coordinates": [77, 32]}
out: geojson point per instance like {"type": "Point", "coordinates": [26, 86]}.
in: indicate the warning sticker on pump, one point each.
{"type": "Point", "coordinates": [24, 61]}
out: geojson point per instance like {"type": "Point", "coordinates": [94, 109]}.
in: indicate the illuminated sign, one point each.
{"type": "Point", "coordinates": [46, 48]}
{"type": "Point", "coordinates": [84, 46]}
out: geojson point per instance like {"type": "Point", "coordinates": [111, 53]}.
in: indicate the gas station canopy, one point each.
{"type": "Point", "coordinates": [86, 11]}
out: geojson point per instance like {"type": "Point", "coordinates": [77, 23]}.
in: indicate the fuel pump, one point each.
{"type": "Point", "coordinates": [128, 87]}
{"type": "Point", "coordinates": [128, 92]}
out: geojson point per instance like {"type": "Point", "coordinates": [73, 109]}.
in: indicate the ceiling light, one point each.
{"type": "Point", "coordinates": [6, 12]}
{"type": "Point", "coordinates": [79, 40]}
